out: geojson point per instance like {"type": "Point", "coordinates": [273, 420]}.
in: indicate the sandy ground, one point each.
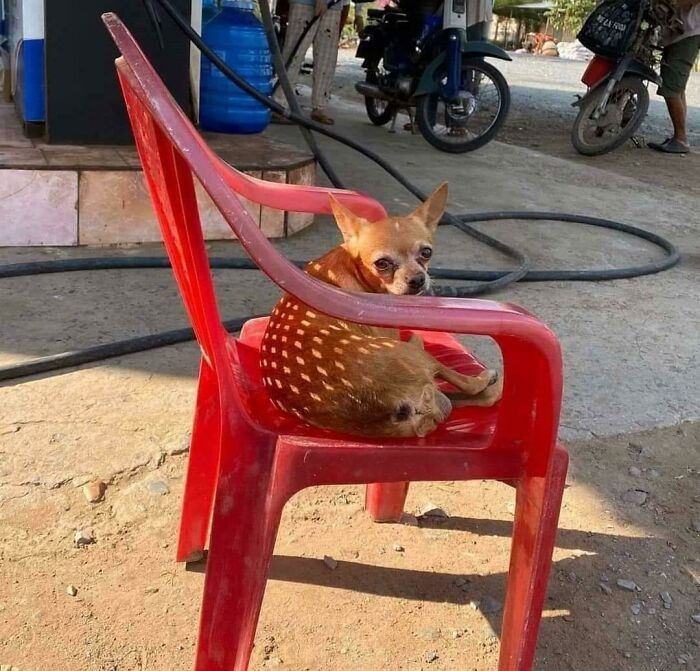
{"type": "Point", "coordinates": [631, 509]}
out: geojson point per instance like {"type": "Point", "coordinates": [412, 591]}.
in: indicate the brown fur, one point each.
{"type": "Point", "coordinates": [358, 379]}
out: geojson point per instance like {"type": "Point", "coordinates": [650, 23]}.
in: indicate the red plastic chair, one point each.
{"type": "Point", "coordinates": [247, 459]}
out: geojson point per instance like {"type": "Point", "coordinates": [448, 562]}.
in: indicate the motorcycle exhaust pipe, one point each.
{"type": "Point", "coordinates": [373, 91]}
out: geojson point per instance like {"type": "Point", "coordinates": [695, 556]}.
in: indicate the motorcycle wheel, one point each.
{"type": "Point", "coordinates": [380, 112]}
{"type": "Point", "coordinates": [627, 106]}
{"type": "Point", "coordinates": [474, 120]}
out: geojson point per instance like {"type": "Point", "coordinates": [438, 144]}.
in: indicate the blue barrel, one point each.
{"type": "Point", "coordinates": [236, 35]}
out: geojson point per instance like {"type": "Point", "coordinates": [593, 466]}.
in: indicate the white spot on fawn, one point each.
{"type": "Point", "coordinates": [297, 344]}
{"type": "Point", "coordinates": [278, 383]}
{"type": "Point", "coordinates": [322, 371]}
{"type": "Point", "coordinates": [339, 365]}
{"type": "Point", "coordinates": [317, 354]}
{"type": "Point", "coordinates": [304, 376]}
{"type": "Point", "coordinates": [324, 332]}
{"type": "Point", "coordinates": [294, 389]}
{"type": "Point", "coordinates": [300, 361]}
{"type": "Point", "coordinates": [274, 364]}
{"type": "Point", "coordinates": [310, 315]}
{"type": "Point", "coordinates": [328, 386]}
{"type": "Point", "coordinates": [305, 322]}
{"type": "Point", "coordinates": [347, 383]}
{"type": "Point", "coordinates": [316, 397]}
{"type": "Point", "coordinates": [285, 354]}
{"type": "Point", "coordinates": [363, 350]}
{"type": "Point", "coordinates": [287, 370]}
{"type": "Point", "coordinates": [338, 350]}
{"type": "Point", "coordinates": [317, 340]}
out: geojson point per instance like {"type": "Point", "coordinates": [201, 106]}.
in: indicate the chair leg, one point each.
{"type": "Point", "coordinates": [385, 501]}
{"type": "Point", "coordinates": [538, 501]}
{"type": "Point", "coordinates": [244, 527]}
{"type": "Point", "coordinates": [201, 470]}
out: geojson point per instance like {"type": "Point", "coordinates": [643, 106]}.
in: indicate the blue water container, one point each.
{"type": "Point", "coordinates": [236, 35]}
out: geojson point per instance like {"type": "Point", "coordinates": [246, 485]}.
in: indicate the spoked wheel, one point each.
{"type": "Point", "coordinates": [472, 120]}
{"type": "Point", "coordinates": [624, 113]}
{"type": "Point", "coordinates": [380, 112]}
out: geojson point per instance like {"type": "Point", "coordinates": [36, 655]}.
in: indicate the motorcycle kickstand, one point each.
{"type": "Point", "coordinates": [392, 128]}
{"type": "Point", "coordinates": [414, 127]}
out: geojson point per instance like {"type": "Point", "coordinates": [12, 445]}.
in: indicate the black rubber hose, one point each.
{"type": "Point", "coordinates": [475, 290]}
{"type": "Point", "coordinates": [490, 279]}
{"type": "Point", "coordinates": [46, 364]}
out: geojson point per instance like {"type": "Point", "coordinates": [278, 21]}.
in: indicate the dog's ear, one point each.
{"type": "Point", "coordinates": [430, 212]}
{"type": "Point", "coordinates": [348, 223]}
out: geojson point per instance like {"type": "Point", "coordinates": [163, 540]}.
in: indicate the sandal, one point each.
{"type": "Point", "coordinates": [320, 117]}
{"type": "Point", "coordinates": [670, 146]}
{"type": "Point", "coordinates": [281, 119]}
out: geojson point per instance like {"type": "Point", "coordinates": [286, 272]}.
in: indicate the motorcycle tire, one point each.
{"type": "Point", "coordinates": [427, 104]}
{"type": "Point", "coordinates": [591, 101]}
{"type": "Point", "coordinates": [378, 116]}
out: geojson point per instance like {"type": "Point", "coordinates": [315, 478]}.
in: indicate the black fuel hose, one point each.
{"type": "Point", "coordinates": [489, 280]}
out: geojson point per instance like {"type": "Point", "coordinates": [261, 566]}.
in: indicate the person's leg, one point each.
{"type": "Point", "coordinates": [361, 17]}
{"type": "Point", "coordinates": [677, 112]}
{"type": "Point", "coordinates": [344, 12]}
{"type": "Point", "coordinates": [299, 18]}
{"type": "Point", "coordinates": [678, 60]}
{"type": "Point", "coordinates": [325, 58]}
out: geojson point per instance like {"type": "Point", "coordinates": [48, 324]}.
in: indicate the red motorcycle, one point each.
{"type": "Point", "coordinates": [624, 35]}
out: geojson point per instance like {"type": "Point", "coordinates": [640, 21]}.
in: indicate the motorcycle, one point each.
{"type": "Point", "coordinates": [624, 35]}
{"type": "Point", "coordinates": [417, 55]}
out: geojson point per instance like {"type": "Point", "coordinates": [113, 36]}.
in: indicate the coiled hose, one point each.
{"type": "Point", "coordinates": [488, 281]}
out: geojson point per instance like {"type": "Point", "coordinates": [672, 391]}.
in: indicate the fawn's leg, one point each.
{"type": "Point", "coordinates": [468, 384]}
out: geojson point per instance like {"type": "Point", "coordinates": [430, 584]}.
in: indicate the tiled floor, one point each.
{"type": "Point", "coordinates": [245, 152]}
{"type": "Point", "coordinates": [95, 195]}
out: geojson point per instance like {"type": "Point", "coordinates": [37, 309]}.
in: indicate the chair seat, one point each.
{"type": "Point", "coordinates": [471, 427]}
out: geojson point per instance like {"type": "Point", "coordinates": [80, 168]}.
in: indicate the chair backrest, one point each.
{"type": "Point", "coordinates": [170, 149]}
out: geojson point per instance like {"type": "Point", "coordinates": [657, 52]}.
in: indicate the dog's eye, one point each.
{"type": "Point", "coordinates": [426, 253]}
{"type": "Point", "coordinates": [403, 412]}
{"type": "Point", "coordinates": [382, 264]}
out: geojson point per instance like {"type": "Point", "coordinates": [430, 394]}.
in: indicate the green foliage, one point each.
{"type": "Point", "coordinates": [570, 14]}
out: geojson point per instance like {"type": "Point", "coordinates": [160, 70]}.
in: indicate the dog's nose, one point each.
{"type": "Point", "coordinates": [417, 282]}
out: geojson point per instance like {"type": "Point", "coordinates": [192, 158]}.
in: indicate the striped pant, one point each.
{"type": "Point", "coordinates": [324, 35]}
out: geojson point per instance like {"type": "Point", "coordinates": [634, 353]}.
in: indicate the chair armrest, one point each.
{"type": "Point", "coordinates": [297, 197]}
{"type": "Point", "coordinates": [529, 409]}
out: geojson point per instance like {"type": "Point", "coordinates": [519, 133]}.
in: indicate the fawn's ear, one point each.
{"type": "Point", "coordinates": [430, 212]}
{"type": "Point", "coordinates": [349, 224]}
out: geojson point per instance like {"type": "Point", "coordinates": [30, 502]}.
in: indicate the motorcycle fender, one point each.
{"type": "Point", "coordinates": [428, 82]}
{"type": "Point", "coordinates": [644, 71]}
{"type": "Point", "coordinates": [371, 45]}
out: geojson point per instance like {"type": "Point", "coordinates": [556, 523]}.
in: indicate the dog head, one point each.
{"type": "Point", "coordinates": [393, 254]}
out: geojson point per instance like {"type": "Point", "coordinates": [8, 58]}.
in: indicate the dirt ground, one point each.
{"type": "Point", "coordinates": [402, 596]}
{"type": "Point", "coordinates": [549, 132]}
{"type": "Point", "coordinates": [381, 608]}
